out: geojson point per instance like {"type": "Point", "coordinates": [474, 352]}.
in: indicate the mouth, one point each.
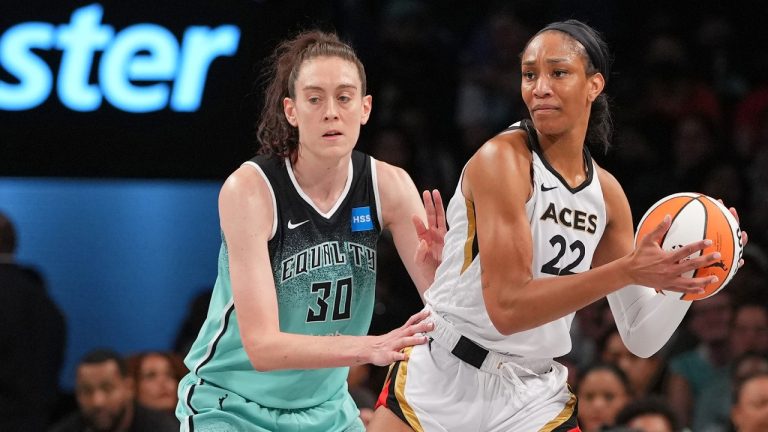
{"type": "Point", "coordinates": [544, 108]}
{"type": "Point", "coordinates": [331, 134]}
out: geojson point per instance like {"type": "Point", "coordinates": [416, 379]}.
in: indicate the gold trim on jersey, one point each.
{"type": "Point", "coordinates": [471, 232]}
{"type": "Point", "coordinates": [402, 372]}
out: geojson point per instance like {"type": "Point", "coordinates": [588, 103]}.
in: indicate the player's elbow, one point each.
{"type": "Point", "coordinates": [503, 315]}
{"type": "Point", "coordinates": [260, 361]}
{"type": "Point", "coordinates": [506, 305]}
{"type": "Point", "coordinates": [260, 355]}
{"type": "Point", "coordinates": [503, 327]}
{"type": "Point", "coordinates": [641, 347]}
{"type": "Point", "coordinates": [642, 351]}
{"type": "Point", "coordinates": [261, 365]}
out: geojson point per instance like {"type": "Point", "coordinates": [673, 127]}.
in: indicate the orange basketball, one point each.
{"type": "Point", "coordinates": [696, 217]}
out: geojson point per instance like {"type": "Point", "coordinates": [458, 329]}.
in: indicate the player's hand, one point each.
{"type": "Point", "coordinates": [652, 266]}
{"type": "Point", "coordinates": [387, 348]}
{"type": "Point", "coordinates": [744, 236]}
{"type": "Point", "coordinates": [432, 235]}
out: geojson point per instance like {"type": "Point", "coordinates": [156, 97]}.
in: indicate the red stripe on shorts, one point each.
{"type": "Point", "coordinates": [382, 400]}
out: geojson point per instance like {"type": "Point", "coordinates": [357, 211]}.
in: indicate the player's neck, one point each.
{"type": "Point", "coordinates": [323, 181]}
{"type": "Point", "coordinates": [566, 155]}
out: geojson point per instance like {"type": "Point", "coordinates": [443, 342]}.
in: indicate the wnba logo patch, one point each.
{"type": "Point", "coordinates": [361, 219]}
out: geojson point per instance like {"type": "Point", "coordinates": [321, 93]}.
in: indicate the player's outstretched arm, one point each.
{"type": "Point", "coordinates": [246, 212]}
{"type": "Point", "coordinates": [402, 209]}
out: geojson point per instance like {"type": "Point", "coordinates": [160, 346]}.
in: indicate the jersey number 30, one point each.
{"type": "Point", "coordinates": [341, 304]}
{"type": "Point", "coordinates": [559, 242]}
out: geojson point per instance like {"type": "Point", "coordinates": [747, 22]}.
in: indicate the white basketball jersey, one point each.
{"type": "Point", "coordinates": [566, 224]}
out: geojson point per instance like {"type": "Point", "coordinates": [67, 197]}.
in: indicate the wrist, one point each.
{"type": "Point", "coordinates": [624, 271]}
{"type": "Point", "coordinates": [363, 351]}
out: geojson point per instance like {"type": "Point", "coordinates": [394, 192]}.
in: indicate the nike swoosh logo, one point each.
{"type": "Point", "coordinates": [292, 225]}
{"type": "Point", "coordinates": [544, 188]}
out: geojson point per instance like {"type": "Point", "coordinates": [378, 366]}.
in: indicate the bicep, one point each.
{"type": "Point", "coordinates": [245, 207]}
{"type": "Point", "coordinates": [498, 185]}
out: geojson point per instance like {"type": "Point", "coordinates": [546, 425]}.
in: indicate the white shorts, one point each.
{"type": "Point", "coordinates": [435, 391]}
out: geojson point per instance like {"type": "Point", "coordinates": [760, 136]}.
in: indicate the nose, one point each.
{"type": "Point", "coordinates": [98, 399]}
{"type": "Point", "coordinates": [542, 87]}
{"type": "Point", "coordinates": [331, 110]}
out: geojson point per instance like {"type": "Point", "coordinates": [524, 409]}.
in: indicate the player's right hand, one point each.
{"type": "Point", "coordinates": [387, 349]}
{"type": "Point", "coordinates": [652, 266]}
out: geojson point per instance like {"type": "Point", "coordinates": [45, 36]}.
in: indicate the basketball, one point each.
{"type": "Point", "coordinates": [696, 217]}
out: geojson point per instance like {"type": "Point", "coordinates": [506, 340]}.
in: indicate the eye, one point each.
{"type": "Point", "coordinates": [344, 98]}
{"type": "Point", "coordinates": [528, 75]}
{"type": "Point", "coordinates": [559, 73]}
{"type": "Point", "coordinates": [314, 100]}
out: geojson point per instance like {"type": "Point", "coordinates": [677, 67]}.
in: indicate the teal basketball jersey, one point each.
{"type": "Point", "coordinates": [324, 268]}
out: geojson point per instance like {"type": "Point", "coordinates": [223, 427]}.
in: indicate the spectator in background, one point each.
{"type": "Point", "coordinates": [691, 370]}
{"type": "Point", "coordinates": [105, 398]}
{"type": "Point", "coordinates": [647, 415]}
{"type": "Point", "coordinates": [591, 325]}
{"type": "Point", "coordinates": [750, 406]}
{"type": "Point", "coordinates": [749, 330]}
{"type": "Point", "coordinates": [712, 411]}
{"type": "Point", "coordinates": [32, 336]}
{"type": "Point", "coordinates": [646, 375]}
{"type": "Point", "coordinates": [602, 392]}
{"type": "Point", "coordinates": [156, 375]}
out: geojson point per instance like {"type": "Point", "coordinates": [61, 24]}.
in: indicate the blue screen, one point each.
{"type": "Point", "coordinates": [123, 259]}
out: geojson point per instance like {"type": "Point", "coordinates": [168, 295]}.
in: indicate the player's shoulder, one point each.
{"type": "Point", "coordinates": [247, 181]}
{"type": "Point", "coordinates": [608, 182]}
{"type": "Point", "coordinates": [390, 175]}
{"type": "Point", "coordinates": [613, 193]}
{"type": "Point", "coordinates": [508, 146]}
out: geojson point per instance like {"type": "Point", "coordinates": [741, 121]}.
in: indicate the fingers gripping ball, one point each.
{"type": "Point", "coordinates": [696, 217]}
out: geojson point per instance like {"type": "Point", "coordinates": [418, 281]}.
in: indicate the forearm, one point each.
{"type": "Point", "coordinates": [298, 351]}
{"type": "Point", "coordinates": [646, 319]}
{"type": "Point", "coordinates": [543, 300]}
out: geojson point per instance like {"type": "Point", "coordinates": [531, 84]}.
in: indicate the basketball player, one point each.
{"type": "Point", "coordinates": [297, 268]}
{"type": "Point", "coordinates": [532, 204]}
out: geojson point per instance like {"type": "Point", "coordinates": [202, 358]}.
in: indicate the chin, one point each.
{"type": "Point", "coordinates": [338, 149]}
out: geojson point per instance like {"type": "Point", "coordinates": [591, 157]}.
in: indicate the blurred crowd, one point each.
{"type": "Point", "coordinates": [690, 106]}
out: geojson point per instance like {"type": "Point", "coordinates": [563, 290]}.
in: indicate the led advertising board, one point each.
{"type": "Point", "coordinates": [144, 89]}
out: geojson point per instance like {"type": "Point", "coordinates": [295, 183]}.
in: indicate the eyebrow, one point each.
{"type": "Point", "coordinates": [342, 86]}
{"type": "Point", "coordinates": [553, 60]}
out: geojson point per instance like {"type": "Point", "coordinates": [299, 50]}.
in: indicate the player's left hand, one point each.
{"type": "Point", "coordinates": [744, 236]}
{"type": "Point", "coordinates": [432, 235]}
